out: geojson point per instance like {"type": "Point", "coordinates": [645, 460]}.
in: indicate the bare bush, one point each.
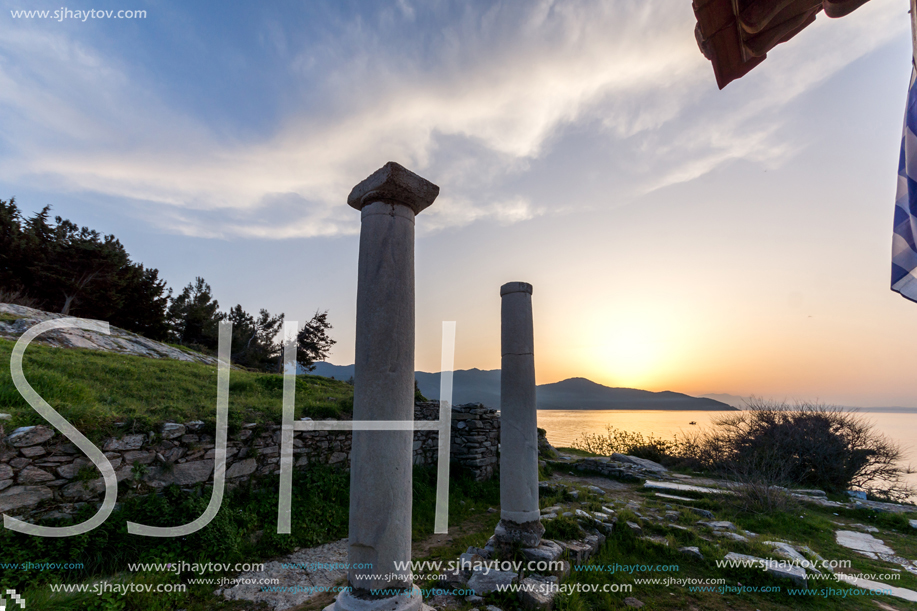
{"type": "Point", "coordinates": [666, 451]}
{"type": "Point", "coordinates": [807, 444]}
{"type": "Point", "coordinates": [16, 297]}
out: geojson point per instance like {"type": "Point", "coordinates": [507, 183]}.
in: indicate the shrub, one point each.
{"type": "Point", "coordinates": [665, 451]}
{"type": "Point", "coordinates": [769, 446]}
{"type": "Point", "coordinates": [17, 297]}
{"type": "Point", "coordinates": [804, 445]}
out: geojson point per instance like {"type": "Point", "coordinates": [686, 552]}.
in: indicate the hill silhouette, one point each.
{"type": "Point", "coordinates": [483, 386]}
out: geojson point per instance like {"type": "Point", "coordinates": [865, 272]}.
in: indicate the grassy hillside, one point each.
{"type": "Point", "coordinates": [95, 390]}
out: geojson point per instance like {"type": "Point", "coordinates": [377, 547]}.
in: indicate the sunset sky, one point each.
{"type": "Point", "coordinates": [678, 237]}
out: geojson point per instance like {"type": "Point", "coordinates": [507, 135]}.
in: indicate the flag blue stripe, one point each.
{"type": "Point", "coordinates": [904, 246]}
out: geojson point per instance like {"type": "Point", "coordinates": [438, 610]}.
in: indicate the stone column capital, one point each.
{"type": "Point", "coordinates": [395, 184]}
{"type": "Point", "coordinates": [515, 287]}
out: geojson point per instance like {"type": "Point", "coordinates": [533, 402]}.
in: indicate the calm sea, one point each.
{"type": "Point", "coordinates": [565, 426]}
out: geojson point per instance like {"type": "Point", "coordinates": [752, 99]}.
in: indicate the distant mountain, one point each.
{"type": "Point", "coordinates": [478, 386]}
{"type": "Point", "coordinates": [468, 386]}
{"type": "Point", "coordinates": [327, 370]}
{"type": "Point", "coordinates": [580, 393]}
{"type": "Point", "coordinates": [733, 400]}
{"type": "Point", "coordinates": [884, 410]}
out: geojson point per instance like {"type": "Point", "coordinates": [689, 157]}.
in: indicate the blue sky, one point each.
{"type": "Point", "coordinates": [677, 236]}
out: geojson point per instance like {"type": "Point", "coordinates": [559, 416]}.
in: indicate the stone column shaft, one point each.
{"type": "Point", "coordinates": [520, 514]}
{"type": "Point", "coordinates": [383, 382]}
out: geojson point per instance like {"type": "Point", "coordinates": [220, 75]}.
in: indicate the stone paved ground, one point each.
{"type": "Point", "coordinates": [303, 574]}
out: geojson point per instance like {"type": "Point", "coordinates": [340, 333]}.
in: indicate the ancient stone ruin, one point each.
{"type": "Point", "coordinates": [380, 483]}
{"type": "Point", "coordinates": [520, 516]}
{"type": "Point", "coordinates": [42, 475]}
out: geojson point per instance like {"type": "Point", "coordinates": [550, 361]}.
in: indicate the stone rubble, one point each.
{"type": "Point", "coordinates": [301, 570]}
{"type": "Point", "coordinates": [796, 574]}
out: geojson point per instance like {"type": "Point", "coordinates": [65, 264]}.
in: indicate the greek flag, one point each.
{"type": "Point", "coordinates": [904, 246]}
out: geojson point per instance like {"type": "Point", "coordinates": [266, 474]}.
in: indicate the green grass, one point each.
{"type": "Point", "coordinates": [799, 523]}
{"type": "Point", "coordinates": [466, 498]}
{"type": "Point", "coordinates": [94, 390]}
{"type": "Point", "coordinates": [244, 530]}
{"type": "Point", "coordinates": [624, 548]}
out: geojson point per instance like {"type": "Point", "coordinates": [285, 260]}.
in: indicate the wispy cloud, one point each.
{"type": "Point", "coordinates": [467, 95]}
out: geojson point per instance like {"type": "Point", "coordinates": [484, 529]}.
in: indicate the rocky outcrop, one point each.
{"type": "Point", "coordinates": [627, 471]}
{"type": "Point", "coordinates": [18, 319]}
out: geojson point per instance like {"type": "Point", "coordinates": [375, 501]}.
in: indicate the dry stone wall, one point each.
{"type": "Point", "coordinates": [43, 475]}
{"type": "Point", "coordinates": [475, 438]}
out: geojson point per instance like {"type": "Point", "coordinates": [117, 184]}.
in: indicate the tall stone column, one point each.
{"type": "Point", "coordinates": [520, 517]}
{"type": "Point", "coordinates": [381, 460]}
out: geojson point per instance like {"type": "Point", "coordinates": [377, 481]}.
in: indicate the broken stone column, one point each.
{"type": "Point", "coordinates": [381, 460]}
{"type": "Point", "coordinates": [520, 518]}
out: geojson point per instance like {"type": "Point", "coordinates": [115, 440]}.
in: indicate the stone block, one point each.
{"type": "Point", "coordinates": [691, 551]}
{"type": "Point", "coordinates": [864, 543]}
{"type": "Point", "coordinates": [52, 461]}
{"type": "Point", "coordinates": [18, 497]}
{"type": "Point", "coordinates": [172, 430]}
{"type": "Point", "coordinates": [547, 551]}
{"type": "Point", "coordinates": [71, 470]}
{"type": "Point", "coordinates": [537, 594]}
{"type": "Point", "coordinates": [33, 451]}
{"type": "Point", "coordinates": [144, 458]}
{"type": "Point", "coordinates": [721, 525]}
{"type": "Point", "coordinates": [230, 452]}
{"type": "Point", "coordinates": [174, 454]}
{"type": "Point", "coordinates": [33, 475]}
{"type": "Point", "coordinates": [794, 573]}
{"type": "Point", "coordinates": [128, 442]}
{"type": "Point", "coordinates": [787, 551]}
{"type": "Point", "coordinates": [578, 551]}
{"type": "Point", "coordinates": [114, 459]}
{"type": "Point", "coordinates": [190, 473]}
{"type": "Point", "coordinates": [643, 463]}
{"type": "Point", "coordinates": [242, 468]}
{"type": "Point", "coordinates": [725, 534]}
{"type": "Point", "coordinates": [485, 583]}
{"type": "Point", "coordinates": [26, 436]}
{"type": "Point", "coordinates": [787, 571]}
